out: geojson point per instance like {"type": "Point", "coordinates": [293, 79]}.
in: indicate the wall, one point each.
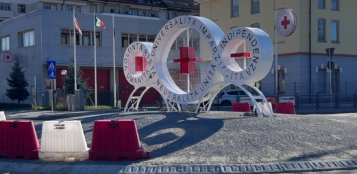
{"type": "Point", "coordinates": [28, 57]}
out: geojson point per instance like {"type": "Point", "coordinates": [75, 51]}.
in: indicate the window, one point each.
{"type": "Point", "coordinates": [184, 3]}
{"type": "Point", "coordinates": [97, 39]}
{"type": "Point", "coordinates": [65, 37]}
{"type": "Point", "coordinates": [151, 38]}
{"type": "Point", "coordinates": [179, 42]}
{"type": "Point", "coordinates": [77, 37]}
{"type": "Point", "coordinates": [21, 8]}
{"type": "Point", "coordinates": [142, 38]}
{"type": "Point", "coordinates": [235, 8]}
{"type": "Point", "coordinates": [69, 9]}
{"type": "Point", "coordinates": [4, 7]}
{"type": "Point", "coordinates": [232, 93]}
{"type": "Point", "coordinates": [78, 9]}
{"type": "Point", "coordinates": [49, 7]}
{"type": "Point", "coordinates": [256, 25]}
{"type": "Point", "coordinates": [87, 38]}
{"type": "Point", "coordinates": [124, 40]}
{"type": "Point", "coordinates": [281, 77]}
{"type": "Point", "coordinates": [27, 38]}
{"type": "Point", "coordinates": [133, 12]}
{"type": "Point", "coordinates": [321, 30]}
{"type": "Point", "coordinates": [258, 85]}
{"type": "Point", "coordinates": [335, 80]}
{"type": "Point", "coordinates": [255, 6]}
{"type": "Point", "coordinates": [152, 14]}
{"type": "Point", "coordinates": [196, 44]}
{"type": "Point", "coordinates": [335, 4]}
{"type": "Point", "coordinates": [321, 4]}
{"type": "Point", "coordinates": [112, 10]}
{"type": "Point", "coordinates": [167, 15]}
{"type": "Point", "coordinates": [173, 15]}
{"type": "Point", "coordinates": [132, 38]}
{"type": "Point", "coordinates": [93, 8]}
{"type": "Point", "coordinates": [170, 2]}
{"type": "Point", "coordinates": [322, 80]}
{"type": "Point", "coordinates": [334, 31]}
{"type": "Point", "coordinates": [5, 43]}
{"type": "Point", "coordinates": [195, 3]}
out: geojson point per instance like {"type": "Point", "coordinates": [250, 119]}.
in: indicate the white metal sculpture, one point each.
{"type": "Point", "coordinates": [223, 69]}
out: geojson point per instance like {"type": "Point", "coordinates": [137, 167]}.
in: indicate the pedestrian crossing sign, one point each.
{"type": "Point", "coordinates": [51, 65]}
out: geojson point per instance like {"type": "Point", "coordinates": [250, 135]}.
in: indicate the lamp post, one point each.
{"type": "Point", "coordinates": [276, 45]}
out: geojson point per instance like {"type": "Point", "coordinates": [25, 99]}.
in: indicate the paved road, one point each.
{"type": "Point", "coordinates": [226, 138]}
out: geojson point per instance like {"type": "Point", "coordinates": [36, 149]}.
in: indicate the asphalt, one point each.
{"type": "Point", "coordinates": [215, 142]}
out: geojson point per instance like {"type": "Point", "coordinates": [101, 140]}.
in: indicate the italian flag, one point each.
{"type": "Point", "coordinates": [99, 23]}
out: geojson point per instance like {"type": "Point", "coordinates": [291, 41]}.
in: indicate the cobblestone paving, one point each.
{"type": "Point", "coordinates": [225, 138]}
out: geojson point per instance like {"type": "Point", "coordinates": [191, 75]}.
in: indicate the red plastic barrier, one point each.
{"type": "Point", "coordinates": [116, 139]}
{"type": "Point", "coordinates": [285, 108]}
{"type": "Point", "coordinates": [271, 99]}
{"type": "Point", "coordinates": [240, 107]}
{"type": "Point", "coordinates": [18, 139]}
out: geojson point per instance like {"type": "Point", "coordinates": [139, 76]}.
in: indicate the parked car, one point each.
{"type": "Point", "coordinates": [228, 97]}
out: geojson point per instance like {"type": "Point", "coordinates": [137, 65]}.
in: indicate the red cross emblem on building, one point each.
{"type": "Point", "coordinates": [140, 63]}
{"type": "Point", "coordinates": [285, 22]}
{"type": "Point", "coordinates": [187, 60]}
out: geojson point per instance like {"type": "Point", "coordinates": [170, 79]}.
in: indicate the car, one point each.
{"type": "Point", "coordinates": [226, 98]}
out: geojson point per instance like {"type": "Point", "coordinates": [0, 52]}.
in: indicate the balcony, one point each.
{"type": "Point", "coordinates": [6, 14]}
{"type": "Point", "coordinates": [130, 16]}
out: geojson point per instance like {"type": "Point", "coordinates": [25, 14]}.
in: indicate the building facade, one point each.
{"type": "Point", "coordinates": [302, 59]}
{"type": "Point", "coordinates": [37, 31]}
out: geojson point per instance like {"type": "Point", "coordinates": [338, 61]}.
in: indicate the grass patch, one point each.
{"type": "Point", "coordinates": [10, 106]}
{"type": "Point", "coordinates": [99, 107]}
{"type": "Point", "coordinates": [56, 107]}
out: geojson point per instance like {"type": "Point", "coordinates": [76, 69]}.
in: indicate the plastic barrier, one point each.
{"type": "Point", "coordinates": [18, 139]}
{"type": "Point", "coordinates": [240, 107]}
{"type": "Point", "coordinates": [116, 139]}
{"type": "Point", "coordinates": [63, 141]}
{"type": "Point", "coordinates": [266, 108]}
{"type": "Point", "coordinates": [285, 108]}
{"type": "Point", "coordinates": [2, 115]}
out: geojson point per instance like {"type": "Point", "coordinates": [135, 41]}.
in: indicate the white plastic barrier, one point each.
{"type": "Point", "coordinates": [266, 107]}
{"type": "Point", "coordinates": [2, 115]}
{"type": "Point", "coordinates": [63, 141]}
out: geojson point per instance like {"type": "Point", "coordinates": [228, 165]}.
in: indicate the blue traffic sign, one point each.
{"type": "Point", "coordinates": [51, 69]}
{"type": "Point", "coordinates": [51, 74]}
{"type": "Point", "coordinates": [51, 65]}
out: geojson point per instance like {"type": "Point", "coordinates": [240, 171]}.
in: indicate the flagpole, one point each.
{"type": "Point", "coordinates": [115, 89]}
{"type": "Point", "coordinates": [95, 65]}
{"type": "Point", "coordinates": [75, 55]}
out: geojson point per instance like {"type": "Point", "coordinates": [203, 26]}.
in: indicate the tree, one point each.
{"type": "Point", "coordinates": [81, 83]}
{"type": "Point", "coordinates": [18, 84]}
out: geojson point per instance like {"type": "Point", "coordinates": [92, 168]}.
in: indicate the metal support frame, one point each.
{"type": "Point", "coordinates": [135, 100]}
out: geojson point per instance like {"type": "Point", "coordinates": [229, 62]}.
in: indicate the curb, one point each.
{"type": "Point", "coordinates": [284, 167]}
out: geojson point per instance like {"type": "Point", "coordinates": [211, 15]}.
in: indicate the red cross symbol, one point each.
{"type": "Point", "coordinates": [244, 55]}
{"type": "Point", "coordinates": [140, 63]}
{"type": "Point", "coordinates": [187, 60]}
{"type": "Point", "coordinates": [285, 22]}
{"type": "Point", "coordinates": [8, 57]}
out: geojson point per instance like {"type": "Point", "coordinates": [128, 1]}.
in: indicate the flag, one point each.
{"type": "Point", "coordinates": [77, 26]}
{"type": "Point", "coordinates": [99, 23]}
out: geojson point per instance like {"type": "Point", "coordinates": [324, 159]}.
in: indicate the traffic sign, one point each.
{"type": "Point", "coordinates": [51, 65]}
{"type": "Point", "coordinates": [332, 65]}
{"type": "Point", "coordinates": [51, 74]}
{"type": "Point", "coordinates": [51, 69]}
{"type": "Point", "coordinates": [330, 51]}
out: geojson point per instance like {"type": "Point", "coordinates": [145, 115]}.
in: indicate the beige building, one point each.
{"type": "Point", "coordinates": [302, 59]}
